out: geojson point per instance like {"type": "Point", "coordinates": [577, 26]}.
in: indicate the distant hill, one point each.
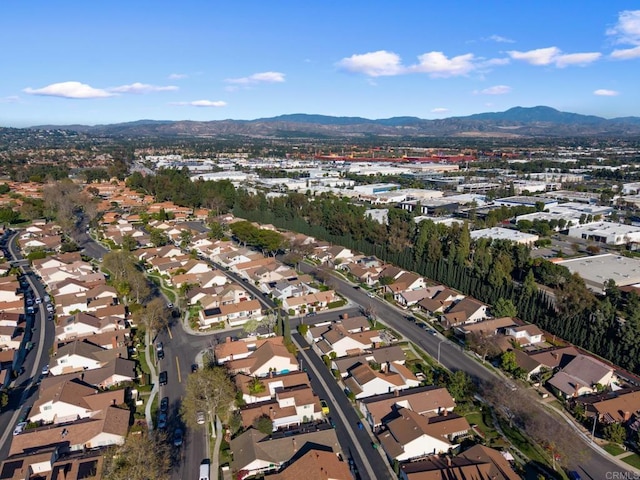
{"type": "Point", "coordinates": [516, 122]}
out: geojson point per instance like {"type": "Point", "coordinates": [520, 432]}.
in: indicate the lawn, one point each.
{"type": "Point", "coordinates": [483, 422]}
{"type": "Point", "coordinates": [633, 460]}
{"type": "Point", "coordinates": [614, 449]}
{"type": "Point", "coordinates": [523, 444]}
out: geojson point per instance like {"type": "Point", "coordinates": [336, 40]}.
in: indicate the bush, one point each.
{"type": "Point", "coordinates": [263, 424]}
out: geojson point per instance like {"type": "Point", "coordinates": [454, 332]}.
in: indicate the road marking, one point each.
{"type": "Point", "coordinates": [178, 366]}
{"type": "Point", "coordinates": [169, 332]}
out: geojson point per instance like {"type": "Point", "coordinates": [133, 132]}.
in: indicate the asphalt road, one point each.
{"type": "Point", "coordinates": [39, 331]}
{"type": "Point", "coordinates": [356, 443]}
{"type": "Point", "coordinates": [589, 462]}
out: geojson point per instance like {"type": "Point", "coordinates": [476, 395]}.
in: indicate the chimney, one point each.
{"type": "Point", "coordinates": [445, 412]}
{"type": "Point", "coordinates": [448, 461]}
{"type": "Point", "coordinates": [295, 446]}
{"type": "Point", "coordinates": [227, 340]}
{"type": "Point", "coordinates": [627, 416]}
{"type": "Point", "coordinates": [396, 393]}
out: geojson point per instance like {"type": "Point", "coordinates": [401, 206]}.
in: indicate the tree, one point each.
{"type": "Point", "coordinates": [508, 361]}
{"type": "Point", "coordinates": [128, 243]}
{"type": "Point", "coordinates": [155, 315]}
{"type": "Point", "coordinates": [4, 399]}
{"type": "Point", "coordinates": [615, 433]}
{"type": "Point", "coordinates": [216, 232]}
{"type": "Point", "coordinates": [208, 390]}
{"type": "Point", "coordinates": [141, 457]}
{"type": "Point", "coordinates": [460, 386]}
{"type": "Point", "coordinates": [504, 308]}
{"type": "Point", "coordinates": [263, 424]}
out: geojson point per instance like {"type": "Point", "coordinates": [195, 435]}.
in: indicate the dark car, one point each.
{"type": "Point", "coordinates": [162, 421]}
{"type": "Point", "coordinates": [160, 350]}
{"type": "Point", "coordinates": [177, 437]}
{"type": "Point", "coordinates": [164, 404]}
{"type": "Point", "coordinates": [311, 314]}
{"type": "Point", "coordinates": [194, 368]}
{"type": "Point", "coordinates": [163, 377]}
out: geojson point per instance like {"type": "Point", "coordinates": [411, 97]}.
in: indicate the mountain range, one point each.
{"type": "Point", "coordinates": [516, 122]}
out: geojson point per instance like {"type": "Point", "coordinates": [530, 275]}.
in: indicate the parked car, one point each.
{"type": "Point", "coordinates": [177, 437]}
{"type": "Point", "coordinates": [194, 368]}
{"type": "Point", "coordinates": [164, 405]}
{"type": "Point", "coordinates": [45, 370]}
{"type": "Point", "coordinates": [200, 417]}
{"type": "Point", "coordinates": [325, 407]}
{"type": "Point", "coordinates": [162, 421]}
{"type": "Point", "coordinates": [19, 428]}
{"type": "Point", "coordinates": [160, 350]}
{"type": "Point", "coordinates": [162, 378]}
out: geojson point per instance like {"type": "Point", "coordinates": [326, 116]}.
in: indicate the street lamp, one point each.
{"type": "Point", "coordinates": [439, 344]}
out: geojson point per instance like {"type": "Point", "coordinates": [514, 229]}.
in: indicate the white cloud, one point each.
{"type": "Point", "coordinates": [602, 92]}
{"type": "Point", "coordinates": [201, 103]}
{"type": "Point", "coordinates": [10, 99]}
{"type": "Point", "coordinates": [69, 90]}
{"type": "Point", "coordinates": [436, 64]}
{"type": "Point", "coordinates": [373, 64]}
{"type": "Point", "coordinates": [554, 56]}
{"type": "Point", "coordinates": [576, 59]}
{"type": "Point", "coordinates": [439, 110]}
{"type": "Point", "coordinates": [139, 88]}
{"type": "Point", "coordinates": [494, 62]}
{"type": "Point", "coordinates": [540, 56]}
{"type": "Point", "coordinates": [177, 76]}
{"type": "Point", "coordinates": [627, 30]}
{"type": "Point", "coordinates": [495, 90]}
{"type": "Point", "coordinates": [626, 53]}
{"type": "Point", "coordinates": [264, 77]}
{"type": "Point", "coordinates": [500, 39]}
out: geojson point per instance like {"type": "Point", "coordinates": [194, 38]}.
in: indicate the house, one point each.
{"type": "Point", "coordinates": [270, 357]}
{"type": "Point", "coordinates": [82, 355]}
{"type": "Point", "coordinates": [10, 338]}
{"type": "Point", "coordinates": [266, 387]}
{"type": "Point", "coordinates": [71, 400]}
{"type": "Point", "coordinates": [442, 300]}
{"type": "Point", "coordinates": [291, 406]}
{"type": "Point", "coordinates": [428, 400]}
{"type": "Point", "coordinates": [583, 375]}
{"type": "Point", "coordinates": [339, 341]}
{"type": "Point", "coordinates": [49, 464]}
{"type": "Point", "coordinates": [467, 310]}
{"type": "Point", "coordinates": [477, 463]}
{"type": "Point", "coordinates": [615, 407]}
{"type": "Point", "coordinates": [525, 334]}
{"type": "Point", "coordinates": [382, 355]}
{"type": "Point", "coordinates": [412, 435]}
{"type": "Point", "coordinates": [364, 381]}
{"type": "Point", "coordinates": [315, 465]}
{"type": "Point", "coordinates": [487, 328]}
{"type": "Point", "coordinates": [406, 282]}
{"type": "Point", "coordinates": [311, 302]}
{"type": "Point", "coordinates": [109, 427]}
{"type": "Point", "coordinates": [85, 324]}
{"type": "Point", "coordinates": [235, 314]}
{"type": "Point", "coordinates": [113, 373]}
{"type": "Point", "coordinates": [409, 298]}
{"type": "Point", "coordinates": [255, 453]}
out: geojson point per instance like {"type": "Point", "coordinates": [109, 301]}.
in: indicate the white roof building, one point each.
{"type": "Point", "coordinates": [499, 233]}
{"type": "Point", "coordinates": [598, 269]}
{"type": "Point", "coordinates": [610, 233]}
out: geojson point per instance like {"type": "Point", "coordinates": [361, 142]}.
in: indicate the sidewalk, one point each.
{"type": "Point", "coordinates": [154, 391]}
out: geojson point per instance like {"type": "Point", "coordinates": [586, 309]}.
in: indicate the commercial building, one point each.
{"type": "Point", "coordinates": [498, 233]}
{"type": "Point", "coordinates": [609, 233]}
{"type": "Point", "coordinates": [598, 269]}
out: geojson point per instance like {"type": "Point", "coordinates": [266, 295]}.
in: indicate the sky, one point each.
{"type": "Point", "coordinates": [90, 62]}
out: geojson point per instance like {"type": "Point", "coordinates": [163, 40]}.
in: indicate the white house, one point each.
{"type": "Point", "coordinates": [80, 355]}
{"type": "Point", "coordinates": [270, 357]}
{"type": "Point", "coordinates": [84, 324]}
{"type": "Point", "coordinates": [235, 314]}
{"type": "Point", "coordinates": [365, 381]}
{"type": "Point", "coordinates": [412, 435]}
{"type": "Point", "coordinates": [71, 400]}
{"type": "Point", "coordinates": [526, 334]}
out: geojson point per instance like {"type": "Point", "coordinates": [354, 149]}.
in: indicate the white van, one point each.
{"type": "Point", "coordinates": [204, 471]}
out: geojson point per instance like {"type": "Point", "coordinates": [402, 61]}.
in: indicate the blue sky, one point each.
{"type": "Point", "coordinates": [106, 62]}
